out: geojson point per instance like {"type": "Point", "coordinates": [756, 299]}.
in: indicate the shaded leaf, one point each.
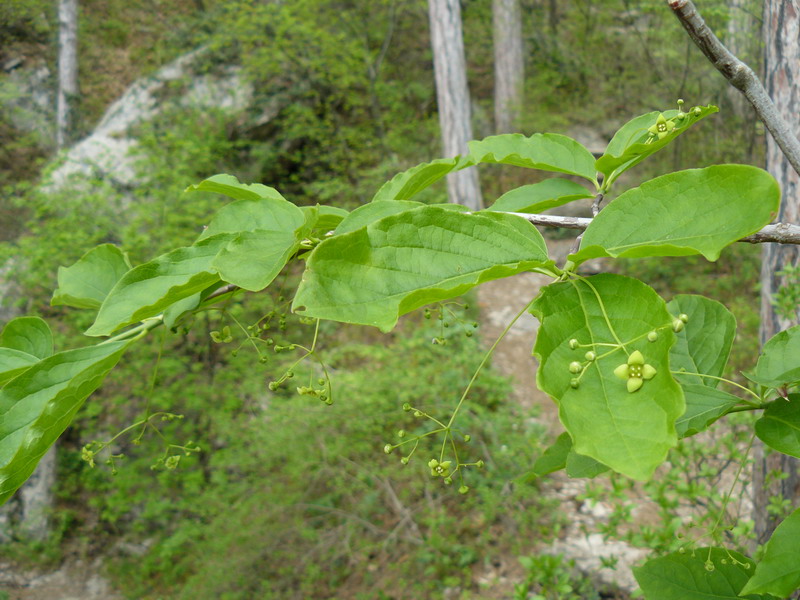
{"type": "Point", "coordinates": [253, 259]}
{"type": "Point", "coordinates": [778, 572]}
{"type": "Point", "coordinates": [147, 290]}
{"type": "Point", "coordinates": [554, 458]}
{"type": "Point", "coordinates": [86, 283]}
{"type": "Point", "coordinates": [584, 467]}
{"type": "Point", "coordinates": [704, 405]}
{"type": "Point", "coordinates": [538, 197]}
{"type": "Point", "coordinates": [325, 218]}
{"type": "Point", "coordinates": [705, 343]}
{"type": "Point", "coordinates": [229, 186]}
{"type": "Point", "coordinates": [629, 432]}
{"type": "Point", "coordinates": [375, 274]}
{"type": "Point", "coordinates": [39, 404]}
{"type": "Point", "coordinates": [629, 145]}
{"type": "Point", "coordinates": [779, 426]}
{"type": "Point", "coordinates": [778, 366]}
{"type": "Point", "coordinates": [13, 362]}
{"type": "Point", "coordinates": [30, 335]}
{"type": "Point", "coordinates": [545, 151]}
{"type": "Point", "coordinates": [698, 574]}
{"type": "Point", "coordinates": [374, 211]}
{"type": "Point", "coordinates": [697, 211]}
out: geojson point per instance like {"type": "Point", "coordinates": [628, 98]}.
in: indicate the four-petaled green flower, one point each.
{"type": "Point", "coordinates": [439, 469]}
{"type": "Point", "coordinates": [662, 128]}
{"type": "Point", "coordinates": [635, 371]}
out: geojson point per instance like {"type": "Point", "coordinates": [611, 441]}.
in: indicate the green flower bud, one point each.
{"type": "Point", "coordinates": [574, 383]}
{"type": "Point", "coordinates": [575, 367]}
{"type": "Point", "coordinates": [404, 460]}
{"type": "Point", "coordinates": [401, 433]}
{"type": "Point", "coordinates": [480, 464]}
{"type": "Point", "coordinates": [387, 449]}
{"type": "Point", "coordinates": [677, 325]}
{"type": "Point", "coordinates": [448, 480]}
{"type": "Point", "coordinates": [467, 438]}
{"type": "Point", "coordinates": [407, 407]}
{"type": "Point", "coordinates": [590, 356]}
{"type": "Point", "coordinates": [463, 489]}
{"type": "Point", "coordinates": [652, 336]}
{"type": "Point", "coordinates": [684, 317]}
{"type": "Point", "coordinates": [573, 343]}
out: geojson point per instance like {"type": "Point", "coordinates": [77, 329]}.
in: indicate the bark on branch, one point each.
{"type": "Point", "coordinates": [740, 76]}
{"type": "Point", "coordinates": [781, 233]}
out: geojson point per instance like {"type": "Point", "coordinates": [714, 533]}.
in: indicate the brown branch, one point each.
{"type": "Point", "coordinates": [780, 233]}
{"type": "Point", "coordinates": [740, 76]}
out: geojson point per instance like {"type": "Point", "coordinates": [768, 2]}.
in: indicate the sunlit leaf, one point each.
{"type": "Point", "coordinates": [39, 404]}
{"type": "Point", "coordinates": [629, 432]}
{"type": "Point", "coordinates": [86, 283]}
{"type": "Point", "coordinates": [375, 274]}
{"type": "Point", "coordinates": [405, 185]}
{"type": "Point", "coordinates": [374, 211]}
{"type": "Point", "coordinates": [778, 572]}
{"type": "Point", "coordinates": [252, 259]}
{"type": "Point", "coordinates": [778, 365]}
{"type": "Point", "coordinates": [30, 335]}
{"type": "Point", "coordinates": [538, 197]}
{"type": "Point", "coordinates": [229, 186]}
{"type": "Point", "coordinates": [697, 211]}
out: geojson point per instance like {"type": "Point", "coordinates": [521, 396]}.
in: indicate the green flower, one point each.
{"type": "Point", "coordinates": [635, 371]}
{"type": "Point", "coordinates": [662, 128]}
{"type": "Point", "coordinates": [439, 469]}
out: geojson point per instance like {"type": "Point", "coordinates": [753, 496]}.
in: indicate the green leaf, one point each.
{"type": "Point", "coordinates": [405, 185]}
{"type": "Point", "coordinates": [699, 574]}
{"type": "Point", "coordinates": [374, 211]}
{"type": "Point", "coordinates": [697, 211]}
{"type": "Point", "coordinates": [779, 426]}
{"type": "Point", "coordinates": [538, 197]}
{"type": "Point", "coordinates": [229, 186]}
{"type": "Point", "coordinates": [86, 283]}
{"type": "Point", "coordinates": [778, 366]}
{"type": "Point", "coordinates": [147, 290]}
{"type": "Point", "coordinates": [375, 274]}
{"type": "Point", "coordinates": [30, 335]}
{"type": "Point", "coordinates": [583, 467]}
{"type": "Point", "coordinates": [705, 343]}
{"type": "Point", "coordinates": [629, 432]}
{"type": "Point", "coordinates": [326, 218]}
{"type": "Point", "coordinates": [778, 572]}
{"type": "Point", "coordinates": [253, 259]}
{"type": "Point", "coordinates": [629, 145]}
{"type": "Point", "coordinates": [704, 405]}
{"type": "Point", "coordinates": [545, 151]}
{"type": "Point", "coordinates": [13, 362]}
{"type": "Point", "coordinates": [554, 458]}
{"type": "Point", "coordinates": [39, 404]}
{"type": "Point", "coordinates": [267, 214]}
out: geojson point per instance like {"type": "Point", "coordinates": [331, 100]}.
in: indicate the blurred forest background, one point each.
{"type": "Point", "coordinates": [324, 100]}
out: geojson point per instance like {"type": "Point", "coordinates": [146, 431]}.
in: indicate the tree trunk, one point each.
{"type": "Point", "coordinates": [452, 97]}
{"type": "Point", "coordinates": [782, 80]}
{"type": "Point", "coordinates": [509, 69]}
{"type": "Point", "coordinates": [67, 68]}
{"type": "Point", "coordinates": [740, 40]}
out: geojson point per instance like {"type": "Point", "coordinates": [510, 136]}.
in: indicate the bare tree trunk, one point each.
{"type": "Point", "coordinates": [452, 97]}
{"type": "Point", "coordinates": [782, 81]}
{"type": "Point", "coordinates": [736, 39]}
{"type": "Point", "coordinates": [509, 69]}
{"type": "Point", "coordinates": [67, 68]}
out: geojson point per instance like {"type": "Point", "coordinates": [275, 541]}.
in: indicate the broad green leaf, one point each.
{"type": "Point", "coordinates": [697, 211]}
{"type": "Point", "coordinates": [374, 211]}
{"type": "Point", "coordinates": [704, 405]}
{"type": "Point", "coordinates": [545, 151]}
{"type": "Point", "coordinates": [633, 143]}
{"type": "Point", "coordinates": [779, 426]}
{"type": "Point", "coordinates": [13, 362]}
{"type": "Point", "coordinates": [86, 283]}
{"type": "Point", "coordinates": [538, 197]}
{"type": "Point", "coordinates": [377, 273]}
{"type": "Point", "coordinates": [147, 290]}
{"type": "Point", "coordinates": [778, 365]}
{"type": "Point", "coordinates": [325, 218]}
{"type": "Point", "coordinates": [705, 343]}
{"type": "Point", "coordinates": [405, 185]}
{"type": "Point", "coordinates": [253, 259]}
{"type": "Point", "coordinates": [698, 574]}
{"type": "Point", "coordinates": [39, 404]}
{"type": "Point", "coordinates": [30, 335]}
{"type": "Point", "coordinates": [583, 467]}
{"type": "Point", "coordinates": [629, 432]}
{"type": "Point", "coordinates": [268, 214]}
{"type": "Point", "coordinates": [554, 458]}
{"type": "Point", "coordinates": [778, 572]}
{"type": "Point", "coordinates": [229, 186]}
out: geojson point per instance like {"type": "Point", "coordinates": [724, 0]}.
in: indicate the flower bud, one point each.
{"type": "Point", "coordinates": [573, 343]}
{"type": "Point", "coordinates": [652, 336]}
{"type": "Point", "coordinates": [574, 367]}
{"type": "Point", "coordinates": [387, 449]}
{"type": "Point", "coordinates": [590, 356]}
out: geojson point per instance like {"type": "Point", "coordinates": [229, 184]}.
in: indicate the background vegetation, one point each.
{"type": "Point", "coordinates": [290, 498]}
